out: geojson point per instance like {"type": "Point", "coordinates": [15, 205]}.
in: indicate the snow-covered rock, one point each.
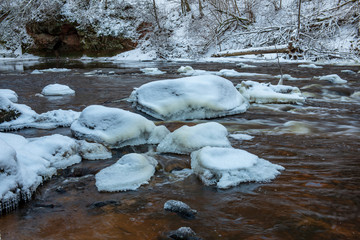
{"type": "Point", "coordinates": [256, 92]}
{"type": "Point", "coordinates": [9, 94]}
{"type": "Point", "coordinates": [57, 90]}
{"type": "Point", "coordinates": [116, 128]}
{"type": "Point", "coordinates": [189, 71]}
{"type": "Point", "coordinates": [128, 173]}
{"type": "Point", "coordinates": [227, 167]}
{"type": "Point", "coordinates": [241, 136]}
{"type": "Point", "coordinates": [188, 139]}
{"type": "Point", "coordinates": [152, 71]}
{"type": "Point", "coordinates": [333, 78]}
{"type": "Point", "coordinates": [92, 151]}
{"type": "Point", "coordinates": [233, 73]}
{"type": "Point", "coordinates": [197, 97]}
{"type": "Point", "coordinates": [181, 208]}
{"type": "Point", "coordinates": [26, 163]}
{"type": "Point", "coordinates": [309, 66]}
{"type": "Point", "coordinates": [15, 116]}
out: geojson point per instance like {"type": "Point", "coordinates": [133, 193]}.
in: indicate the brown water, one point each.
{"type": "Point", "coordinates": [316, 197]}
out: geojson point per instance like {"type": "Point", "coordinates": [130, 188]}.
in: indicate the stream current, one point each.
{"type": "Point", "coordinates": [317, 196]}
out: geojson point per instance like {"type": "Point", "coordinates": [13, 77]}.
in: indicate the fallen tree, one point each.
{"type": "Point", "coordinates": [259, 50]}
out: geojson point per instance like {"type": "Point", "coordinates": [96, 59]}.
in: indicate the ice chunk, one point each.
{"type": "Point", "coordinates": [189, 98]}
{"type": "Point", "coordinates": [115, 127]}
{"type": "Point", "coordinates": [241, 137]}
{"type": "Point", "coordinates": [227, 167]}
{"type": "Point", "coordinates": [348, 72]}
{"type": "Point", "coordinates": [266, 93]}
{"type": "Point", "coordinates": [189, 71]}
{"type": "Point", "coordinates": [30, 161]}
{"type": "Point", "coordinates": [233, 73]}
{"type": "Point", "coordinates": [9, 94]}
{"type": "Point", "coordinates": [57, 90]}
{"type": "Point", "coordinates": [356, 95]}
{"type": "Point", "coordinates": [128, 173]}
{"type": "Point", "coordinates": [93, 151]}
{"type": "Point", "coordinates": [188, 139]}
{"type": "Point", "coordinates": [244, 65]}
{"type": "Point", "coordinates": [15, 116]}
{"type": "Point", "coordinates": [309, 66]}
{"type": "Point", "coordinates": [333, 78]}
{"type": "Point", "coordinates": [56, 70]}
{"type": "Point", "coordinates": [152, 71]}
{"type": "Point", "coordinates": [36, 72]}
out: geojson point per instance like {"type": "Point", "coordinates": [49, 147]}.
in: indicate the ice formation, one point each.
{"type": "Point", "coordinates": [256, 92]}
{"type": "Point", "coordinates": [233, 73]}
{"type": "Point", "coordinates": [26, 163]}
{"type": "Point", "coordinates": [241, 137]}
{"type": "Point", "coordinates": [9, 94]}
{"type": "Point", "coordinates": [333, 78]}
{"type": "Point", "coordinates": [57, 90]}
{"type": "Point", "coordinates": [92, 151]}
{"type": "Point", "coordinates": [189, 71]}
{"type": "Point", "coordinates": [116, 128]}
{"type": "Point", "coordinates": [18, 116]}
{"type": "Point", "coordinates": [56, 70]}
{"type": "Point", "coordinates": [309, 66]}
{"type": "Point", "coordinates": [227, 167]}
{"type": "Point", "coordinates": [128, 173]}
{"type": "Point", "coordinates": [36, 72]}
{"type": "Point", "coordinates": [188, 139]}
{"type": "Point", "coordinates": [196, 97]}
{"type": "Point", "coordinates": [244, 65]}
{"type": "Point", "coordinates": [152, 71]}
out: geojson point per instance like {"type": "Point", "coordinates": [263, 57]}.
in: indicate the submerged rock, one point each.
{"type": "Point", "coordinates": [188, 139]}
{"type": "Point", "coordinates": [228, 167]}
{"type": "Point", "coordinates": [182, 209]}
{"type": "Point", "coordinates": [116, 128]}
{"type": "Point", "coordinates": [184, 233]}
{"type": "Point", "coordinates": [197, 97]}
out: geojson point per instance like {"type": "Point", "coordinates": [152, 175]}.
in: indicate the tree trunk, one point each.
{"type": "Point", "coordinates": [156, 15]}
{"type": "Point", "coordinates": [201, 9]}
{"type": "Point", "coordinates": [299, 15]}
{"type": "Point", "coordinates": [248, 51]}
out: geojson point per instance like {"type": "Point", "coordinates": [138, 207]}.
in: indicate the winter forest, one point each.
{"type": "Point", "coordinates": [179, 119]}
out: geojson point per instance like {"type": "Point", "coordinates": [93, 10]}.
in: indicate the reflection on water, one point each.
{"type": "Point", "coordinates": [316, 197]}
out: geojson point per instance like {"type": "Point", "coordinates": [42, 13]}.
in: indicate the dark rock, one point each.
{"type": "Point", "coordinates": [182, 209]}
{"type": "Point", "coordinates": [8, 115]}
{"type": "Point", "coordinates": [60, 190]}
{"type": "Point", "coordinates": [184, 233]}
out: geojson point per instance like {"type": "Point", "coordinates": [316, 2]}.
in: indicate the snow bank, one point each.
{"type": "Point", "coordinates": [9, 94]}
{"type": "Point", "coordinates": [309, 66]}
{"type": "Point", "coordinates": [17, 116]}
{"type": "Point", "coordinates": [188, 139]}
{"type": "Point", "coordinates": [189, 98]}
{"type": "Point", "coordinates": [266, 93]}
{"type": "Point", "coordinates": [26, 163]}
{"type": "Point", "coordinates": [152, 71]}
{"type": "Point", "coordinates": [115, 127]}
{"type": "Point", "coordinates": [333, 78]}
{"type": "Point", "coordinates": [227, 167]}
{"type": "Point", "coordinates": [57, 90]}
{"type": "Point", "coordinates": [128, 173]}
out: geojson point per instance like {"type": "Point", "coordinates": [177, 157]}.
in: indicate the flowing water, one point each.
{"type": "Point", "coordinates": [317, 196]}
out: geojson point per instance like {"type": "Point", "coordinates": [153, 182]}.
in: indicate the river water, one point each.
{"type": "Point", "coordinates": [317, 196]}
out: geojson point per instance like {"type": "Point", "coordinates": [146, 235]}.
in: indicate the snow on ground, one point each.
{"type": "Point", "coordinates": [26, 163]}
{"type": "Point", "coordinates": [333, 78]}
{"type": "Point", "coordinates": [266, 93]}
{"type": "Point", "coordinates": [134, 55]}
{"type": "Point", "coordinates": [18, 116]}
{"type": "Point", "coordinates": [178, 99]}
{"type": "Point", "coordinates": [188, 139]}
{"type": "Point", "coordinates": [128, 173]}
{"type": "Point", "coordinates": [241, 137]}
{"type": "Point", "coordinates": [228, 167]}
{"type": "Point", "coordinates": [57, 90]}
{"type": "Point", "coordinates": [9, 94]}
{"type": "Point", "coordinates": [115, 127]}
{"type": "Point", "coordinates": [152, 71]}
{"type": "Point", "coordinates": [309, 66]}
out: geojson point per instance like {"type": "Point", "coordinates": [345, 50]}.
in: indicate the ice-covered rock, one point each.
{"type": "Point", "coordinates": [57, 90]}
{"type": "Point", "coordinates": [333, 78]}
{"type": "Point", "coordinates": [189, 71]}
{"type": "Point", "coordinates": [26, 163]}
{"type": "Point", "coordinates": [152, 71]}
{"type": "Point", "coordinates": [188, 139]}
{"type": "Point", "coordinates": [181, 208]}
{"type": "Point", "coordinates": [9, 94]}
{"type": "Point", "coordinates": [128, 173]}
{"type": "Point", "coordinates": [227, 167]}
{"type": "Point", "coordinates": [15, 116]}
{"type": "Point", "coordinates": [184, 233]}
{"type": "Point", "coordinates": [309, 66]}
{"type": "Point", "coordinates": [197, 97]}
{"type": "Point", "coordinates": [115, 127]}
{"type": "Point", "coordinates": [93, 151]}
{"type": "Point", "coordinates": [256, 92]}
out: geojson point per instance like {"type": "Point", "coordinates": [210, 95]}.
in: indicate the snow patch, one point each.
{"type": "Point", "coordinates": [309, 66]}
{"type": "Point", "coordinates": [9, 94]}
{"type": "Point", "coordinates": [189, 98]}
{"type": "Point", "coordinates": [228, 167]}
{"type": "Point", "coordinates": [241, 137]}
{"type": "Point", "coordinates": [152, 71]}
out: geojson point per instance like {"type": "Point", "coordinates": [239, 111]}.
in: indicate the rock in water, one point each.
{"type": "Point", "coordinates": [182, 209]}
{"type": "Point", "coordinates": [184, 233]}
{"type": "Point", "coordinates": [196, 97]}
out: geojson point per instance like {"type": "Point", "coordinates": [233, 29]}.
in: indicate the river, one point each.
{"type": "Point", "coordinates": [317, 196]}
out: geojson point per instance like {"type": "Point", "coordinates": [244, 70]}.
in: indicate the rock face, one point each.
{"type": "Point", "coordinates": [63, 38]}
